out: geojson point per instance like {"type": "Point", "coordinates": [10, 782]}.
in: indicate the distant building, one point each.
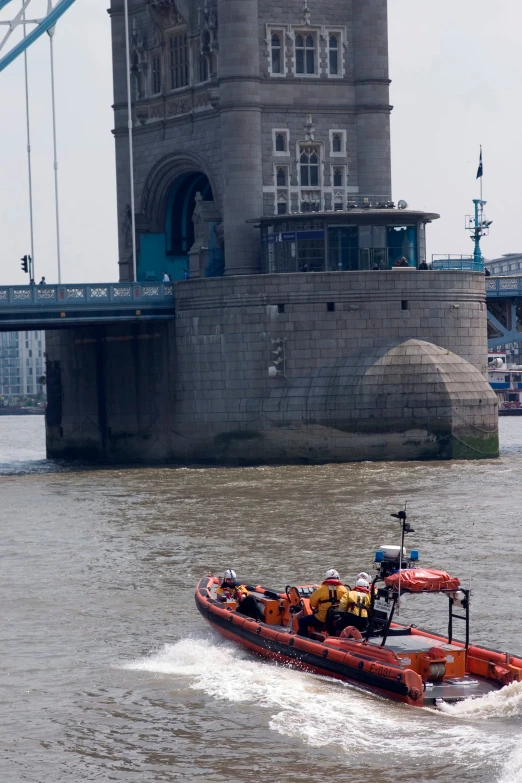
{"type": "Point", "coordinates": [21, 363]}
{"type": "Point", "coordinates": [509, 264]}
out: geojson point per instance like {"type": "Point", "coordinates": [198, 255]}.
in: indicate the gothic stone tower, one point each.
{"type": "Point", "coordinates": [260, 107]}
{"type": "Point", "coordinates": [262, 162]}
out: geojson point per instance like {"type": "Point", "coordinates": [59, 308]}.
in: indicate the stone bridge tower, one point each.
{"type": "Point", "coordinates": [262, 107]}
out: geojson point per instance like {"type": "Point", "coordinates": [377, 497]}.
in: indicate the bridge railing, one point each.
{"type": "Point", "coordinates": [115, 294]}
{"type": "Point", "coordinates": [503, 286]}
{"type": "Point", "coordinates": [455, 263]}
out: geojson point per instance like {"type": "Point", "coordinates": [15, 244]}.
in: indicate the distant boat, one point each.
{"type": "Point", "coordinates": [507, 383]}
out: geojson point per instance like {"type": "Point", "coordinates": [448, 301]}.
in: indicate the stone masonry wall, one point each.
{"type": "Point", "coordinates": [225, 399]}
{"type": "Point", "coordinates": [377, 365]}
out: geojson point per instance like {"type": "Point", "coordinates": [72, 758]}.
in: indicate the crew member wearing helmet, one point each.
{"type": "Point", "coordinates": [327, 596]}
{"type": "Point", "coordinates": [231, 590]}
{"type": "Point", "coordinates": [354, 606]}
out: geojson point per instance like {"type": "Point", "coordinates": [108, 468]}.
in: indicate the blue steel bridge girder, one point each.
{"type": "Point", "coordinates": [504, 300]}
{"type": "Point", "coordinates": [44, 25]}
{"type": "Point", "coordinates": [73, 305]}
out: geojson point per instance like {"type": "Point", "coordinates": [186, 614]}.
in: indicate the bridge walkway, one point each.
{"type": "Point", "coordinates": [90, 304]}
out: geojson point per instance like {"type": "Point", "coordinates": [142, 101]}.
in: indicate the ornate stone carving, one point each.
{"type": "Point", "coordinates": [307, 14]}
{"type": "Point", "coordinates": [156, 111]}
{"type": "Point", "coordinates": [126, 227]}
{"type": "Point", "coordinates": [181, 105]}
{"type": "Point", "coordinates": [201, 100]}
{"type": "Point", "coordinates": [173, 12]}
{"type": "Point", "coordinates": [309, 128]}
{"type": "Point", "coordinates": [208, 17]}
{"type": "Point", "coordinates": [142, 114]}
{"type": "Point", "coordinates": [214, 97]}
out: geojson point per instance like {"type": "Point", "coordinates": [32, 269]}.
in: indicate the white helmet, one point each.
{"type": "Point", "coordinates": [364, 575]}
{"type": "Point", "coordinates": [363, 584]}
{"type": "Point", "coordinates": [332, 574]}
{"type": "Point", "coordinates": [229, 574]}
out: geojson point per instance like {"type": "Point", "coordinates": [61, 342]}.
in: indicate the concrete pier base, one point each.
{"type": "Point", "coordinates": [371, 366]}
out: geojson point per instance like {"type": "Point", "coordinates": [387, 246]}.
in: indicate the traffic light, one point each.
{"type": "Point", "coordinates": [25, 263]}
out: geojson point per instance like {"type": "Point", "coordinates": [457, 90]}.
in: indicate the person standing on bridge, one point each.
{"type": "Point", "coordinates": [42, 281]}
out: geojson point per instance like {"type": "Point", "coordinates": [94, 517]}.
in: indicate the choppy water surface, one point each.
{"type": "Point", "coordinates": [107, 671]}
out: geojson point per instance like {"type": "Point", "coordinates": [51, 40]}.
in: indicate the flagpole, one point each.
{"type": "Point", "coordinates": [482, 172]}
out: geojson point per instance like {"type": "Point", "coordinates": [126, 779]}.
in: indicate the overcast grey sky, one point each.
{"type": "Point", "coordinates": [456, 74]}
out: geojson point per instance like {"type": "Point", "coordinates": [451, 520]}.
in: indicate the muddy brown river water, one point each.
{"type": "Point", "coordinates": [108, 672]}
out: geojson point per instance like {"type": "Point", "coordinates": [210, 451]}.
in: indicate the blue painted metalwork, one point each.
{"type": "Point", "coordinates": [506, 292]}
{"type": "Point", "coordinates": [503, 287]}
{"type": "Point", "coordinates": [59, 306]}
{"type": "Point", "coordinates": [477, 234]}
{"type": "Point", "coordinates": [44, 26]}
{"type": "Point", "coordinates": [444, 263]}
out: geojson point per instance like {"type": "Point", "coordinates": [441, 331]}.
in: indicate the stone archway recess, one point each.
{"type": "Point", "coordinates": [156, 203]}
{"type": "Point", "coordinates": [161, 178]}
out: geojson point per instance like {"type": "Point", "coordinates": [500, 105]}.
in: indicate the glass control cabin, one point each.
{"type": "Point", "coordinates": [351, 240]}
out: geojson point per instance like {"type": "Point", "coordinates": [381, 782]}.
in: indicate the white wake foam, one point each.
{"type": "Point", "coordinates": [300, 705]}
{"type": "Point", "coordinates": [512, 772]}
{"type": "Point", "coordinates": [505, 703]}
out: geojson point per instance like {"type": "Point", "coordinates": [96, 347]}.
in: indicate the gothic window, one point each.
{"type": "Point", "coordinates": [305, 55]}
{"type": "Point", "coordinates": [282, 204]}
{"type": "Point", "coordinates": [338, 177]}
{"type": "Point", "coordinates": [276, 53]}
{"type": "Point", "coordinates": [156, 75]}
{"type": "Point", "coordinates": [309, 167]}
{"type": "Point", "coordinates": [178, 61]}
{"type": "Point", "coordinates": [338, 143]}
{"type": "Point", "coordinates": [281, 176]}
{"type": "Point", "coordinates": [280, 142]}
{"type": "Point", "coordinates": [333, 54]}
{"type": "Point", "coordinates": [282, 194]}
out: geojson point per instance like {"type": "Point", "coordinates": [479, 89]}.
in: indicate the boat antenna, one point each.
{"type": "Point", "coordinates": [471, 559]}
{"type": "Point", "coordinates": [405, 528]}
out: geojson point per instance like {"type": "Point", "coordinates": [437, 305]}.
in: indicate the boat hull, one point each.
{"type": "Point", "coordinates": [400, 670]}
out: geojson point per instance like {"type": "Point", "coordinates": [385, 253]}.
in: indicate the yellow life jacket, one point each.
{"type": "Point", "coordinates": [326, 596]}
{"type": "Point", "coordinates": [231, 593]}
{"type": "Point", "coordinates": [355, 602]}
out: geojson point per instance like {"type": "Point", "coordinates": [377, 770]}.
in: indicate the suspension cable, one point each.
{"type": "Point", "coordinates": [131, 153]}
{"type": "Point", "coordinates": [29, 164]}
{"type": "Point", "coordinates": [53, 101]}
